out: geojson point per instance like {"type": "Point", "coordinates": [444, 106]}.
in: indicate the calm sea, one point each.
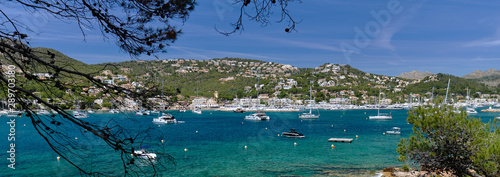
{"type": "Point", "coordinates": [215, 142]}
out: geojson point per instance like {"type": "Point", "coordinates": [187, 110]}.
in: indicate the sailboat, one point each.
{"type": "Point", "coordinates": [259, 115]}
{"type": "Point", "coordinates": [197, 109]}
{"type": "Point", "coordinates": [309, 115]}
{"type": "Point", "coordinates": [79, 114]}
{"type": "Point", "coordinates": [379, 116]}
{"type": "Point", "coordinates": [468, 109]}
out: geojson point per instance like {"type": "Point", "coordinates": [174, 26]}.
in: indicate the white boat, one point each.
{"type": "Point", "coordinates": [155, 112]}
{"type": "Point", "coordinates": [113, 111]}
{"type": "Point", "coordinates": [309, 115]}
{"type": "Point", "coordinates": [139, 113]}
{"type": "Point", "coordinates": [80, 114]}
{"type": "Point", "coordinates": [292, 134]}
{"type": "Point", "coordinates": [145, 154]}
{"type": "Point", "coordinates": [165, 119]}
{"type": "Point", "coordinates": [394, 131]}
{"type": "Point", "coordinates": [257, 116]}
{"type": "Point", "coordinates": [90, 111]}
{"type": "Point", "coordinates": [146, 113]}
{"type": "Point", "coordinates": [380, 116]}
{"type": "Point", "coordinates": [471, 111]}
{"type": "Point", "coordinates": [183, 109]}
{"type": "Point", "coordinates": [43, 112]}
{"type": "Point", "coordinates": [197, 110]}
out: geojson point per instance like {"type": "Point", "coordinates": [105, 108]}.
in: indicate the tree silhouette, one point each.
{"type": "Point", "coordinates": [139, 27]}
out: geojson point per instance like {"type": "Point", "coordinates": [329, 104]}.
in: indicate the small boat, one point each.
{"type": "Point", "coordinates": [471, 111]}
{"type": "Point", "coordinates": [43, 112]}
{"type": "Point", "coordinates": [293, 134]}
{"type": "Point", "coordinates": [80, 114]}
{"type": "Point", "coordinates": [165, 119]}
{"type": "Point", "coordinates": [197, 110]}
{"type": "Point", "coordinates": [90, 111]}
{"type": "Point", "coordinates": [183, 109]}
{"type": "Point", "coordinates": [139, 113]}
{"type": "Point", "coordinates": [257, 116]}
{"type": "Point", "coordinates": [155, 112]}
{"type": "Point", "coordinates": [145, 154]}
{"type": "Point", "coordinates": [239, 110]}
{"type": "Point", "coordinates": [113, 111]}
{"type": "Point", "coordinates": [147, 113]}
{"type": "Point", "coordinates": [394, 131]}
{"type": "Point", "coordinates": [309, 115]}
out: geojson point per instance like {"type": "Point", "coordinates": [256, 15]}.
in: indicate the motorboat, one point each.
{"type": "Point", "coordinates": [165, 119]}
{"type": "Point", "coordinates": [394, 131]}
{"type": "Point", "coordinates": [470, 111]}
{"type": "Point", "coordinates": [183, 109]}
{"type": "Point", "coordinates": [292, 134]}
{"type": "Point", "coordinates": [197, 110]}
{"type": "Point", "coordinates": [114, 111]}
{"type": "Point", "coordinates": [43, 112]}
{"type": "Point", "coordinates": [155, 112]}
{"type": "Point", "coordinates": [80, 114]}
{"type": "Point", "coordinates": [90, 111]}
{"type": "Point", "coordinates": [139, 113]}
{"type": "Point", "coordinates": [239, 110]}
{"type": "Point", "coordinates": [257, 116]}
{"type": "Point", "coordinates": [145, 154]}
{"type": "Point", "coordinates": [380, 116]}
{"type": "Point", "coordinates": [147, 113]}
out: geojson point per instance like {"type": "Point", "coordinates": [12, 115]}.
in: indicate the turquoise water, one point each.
{"type": "Point", "coordinates": [218, 147]}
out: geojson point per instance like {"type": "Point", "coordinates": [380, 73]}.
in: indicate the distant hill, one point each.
{"type": "Point", "coordinates": [415, 75]}
{"type": "Point", "coordinates": [489, 77]}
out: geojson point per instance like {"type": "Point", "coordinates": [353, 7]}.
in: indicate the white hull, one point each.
{"type": "Point", "coordinates": [166, 119]}
{"type": "Point", "coordinates": [257, 117]}
{"type": "Point", "coordinates": [380, 117]}
{"type": "Point", "coordinates": [308, 116]}
{"type": "Point", "coordinates": [393, 132]}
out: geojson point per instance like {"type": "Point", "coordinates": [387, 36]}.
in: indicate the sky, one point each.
{"type": "Point", "coordinates": [383, 37]}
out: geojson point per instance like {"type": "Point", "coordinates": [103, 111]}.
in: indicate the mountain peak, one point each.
{"type": "Point", "coordinates": [415, 74]}
{"type": "Point", "coordinates": [479, 74]}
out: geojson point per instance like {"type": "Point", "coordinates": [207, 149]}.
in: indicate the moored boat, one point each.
{"type": "Point", "coordinates": [292, 134]}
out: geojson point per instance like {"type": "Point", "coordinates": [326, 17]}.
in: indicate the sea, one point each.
{"type": "Point", "coordinates": [218, 143]}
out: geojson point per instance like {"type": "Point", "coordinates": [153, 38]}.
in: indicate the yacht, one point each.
{"type": "Point", "coordinates": [257, 116]}
{"type": "Point", "coordinates": [43, 112]}
{"type": "Point", "coordinates": [309, 115]}
{"type": "Point", "coordinates": [293, 134]}
{"type": "Point", "coordinates": [80, 114]}
{"type": "Point", "coordinates": [90, 111]}
{"type": "Point", "coordinates": [4, 112]}
{"type": "Point", "coordinates": [197, 110]}
{"type": "Point", "coordinates": [379, 116]}
{"type": "Point", "coordinates": [471, 111]}
{"type": "Point", "coordinates": [145, 154]}
{"type": "Point", "coordinates": [394, 131]}
{"type": "Point", "coordinates": [165, 119]}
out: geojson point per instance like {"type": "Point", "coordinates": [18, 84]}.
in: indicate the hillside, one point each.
{"type": "Point", "coordinates": [489, 77]}
{"type": "Point", "coordinates": [415, 75]}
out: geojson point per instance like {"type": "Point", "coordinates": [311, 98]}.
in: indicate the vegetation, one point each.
{"type": "Point", "coordinates": [446, 141]}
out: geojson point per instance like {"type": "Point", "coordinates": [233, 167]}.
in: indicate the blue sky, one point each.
{"type": "Point", "coordinates": [454, 37]}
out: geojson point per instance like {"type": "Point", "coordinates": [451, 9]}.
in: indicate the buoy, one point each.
{"type": "Point", "coordinates": [162, 141]}
{"type": "Point", "coordinates": [241, 122]}
{"type": "Point", "coordinates": [357, 136]}
{"type": "Point", "coordinates": [158, 125]}
{"type": "Point", "coordinates": [245, 147]}
{"type": "Point", "coordinates": [58, 158]}
{"type": "Point", "coordinates": [333, 146]}
{"type": "Point", "coordinates": [185, 150]}
{"type": "Point", "coordinates": [266, 128]}
{"type": "Point", "coordinates": [196, 131]}
{"type": "Point", "coordinates": [365, 112]}
{"type": "Point", "coordinates": [332, 125]}
{"type": "Point", "coordinates": [295, 144]}
{"type": "Point", "coordinates": [300, 120]}
{"type": "Point", "coordinates": [25, 125]}
{"type": "Point", "coordinates": [384, 133]}
{"type": "Point", "coordinates": [278, 134]}
{"type": "Point", "coordinates": [210, 113]}
{"type": "Point", "coordinates": [344, 130]}
{"type": "Point", "coordinates": [132, 155]}
{"type": "Point", "coordinates": [76, 138]}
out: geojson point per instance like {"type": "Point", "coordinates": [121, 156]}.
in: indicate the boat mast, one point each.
{"type": "Point", "coordinates": [378, 107]}
{"type": "Point", "coordinates": [310, 98]}
{"type": "Point", "coordinates": [447, 88]}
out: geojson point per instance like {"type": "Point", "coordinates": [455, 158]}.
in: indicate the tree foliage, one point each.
{"type": "Point", "coordinates": [445, 140]}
